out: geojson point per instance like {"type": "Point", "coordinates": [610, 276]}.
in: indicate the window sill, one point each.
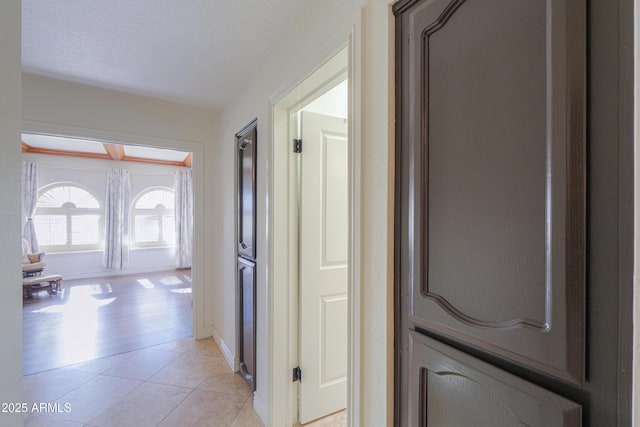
{"type": "Point", "coordinates": [143, 248]}
{"type": "Point", "coordinates": [50, 252]}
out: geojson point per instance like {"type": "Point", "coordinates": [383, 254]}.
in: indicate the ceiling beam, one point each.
{"type": "Point", "coordinates": [153, 161]}
{"type": "Point", "coordinates": [36, 150]}
{"type": "Point", "coordinates": [115, 151]}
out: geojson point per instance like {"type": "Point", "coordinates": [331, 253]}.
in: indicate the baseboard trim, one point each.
{"type": "Point", "coordinates": [228, 355]}
{"type": "Point", "coordinates": [260, 407]}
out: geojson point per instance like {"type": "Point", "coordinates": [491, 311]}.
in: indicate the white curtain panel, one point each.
{"type": "Point", "coordinates": [30, 202]}
{"type": "Point", "coordinates": [182, 183]}
{"type": "Point", "coordinates": [116, 218]}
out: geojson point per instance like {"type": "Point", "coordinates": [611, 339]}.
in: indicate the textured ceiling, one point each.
{"type": "Point", "coordinates": [195, 51]}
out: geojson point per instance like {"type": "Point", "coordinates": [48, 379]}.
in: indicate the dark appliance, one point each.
{"type": "Point", "coordinates": [246, 247]}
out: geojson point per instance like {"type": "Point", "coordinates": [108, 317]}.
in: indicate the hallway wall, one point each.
{"type": "Point", "coordinates": [320, 32]}
{"type": "Point", "coordinates": [10, 172]}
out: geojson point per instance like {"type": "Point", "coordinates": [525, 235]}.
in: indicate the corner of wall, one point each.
{"type": "Point", "coordinates": [231, 360]}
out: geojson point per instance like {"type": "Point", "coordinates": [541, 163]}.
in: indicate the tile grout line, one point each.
{"type": "Point", "coordinates": [65, 394]}
{"type": "Point", "coordinates": [92, 379]}
{"type": "Point", "coordinates": [71, 366]}
{"type": "Point", "coordinates": [176, 406]}
{"type": "Point", "coordinates": [102, 373]}
{"type": "Point", "coordinates": [117, 401]}
{"type": "Point", "coordinates": [238, 414]}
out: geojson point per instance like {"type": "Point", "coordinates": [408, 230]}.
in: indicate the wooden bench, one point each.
{"type": "Point", "coordinates": [50, 282]}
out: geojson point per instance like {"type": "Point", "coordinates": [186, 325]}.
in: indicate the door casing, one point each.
{"type": "Point", "coordinates": [282, 289]}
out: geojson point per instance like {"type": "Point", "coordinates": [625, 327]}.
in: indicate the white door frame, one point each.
{"type": "Point", "coordinates": [199, 327]}
{"type": "Point", "coordinates": [282, 342]}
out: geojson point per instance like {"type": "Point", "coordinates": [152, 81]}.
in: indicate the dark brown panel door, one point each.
{"type": "Point", "coordinates": [514, 212]}
{"type": "Point", "coordinates": [247, 295]}
{"type": "Point", "coordinates": [493, 189]}
{"type": "Point", "coordinates": [246, 145]}
{"type": "Point", "coordinates": [450, 388]}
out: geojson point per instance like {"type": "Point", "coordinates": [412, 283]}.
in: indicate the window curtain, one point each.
{"type": "Point", "coordinates": [183, 211]}
{"type": "Point", "coordinates": [116, 218]}
{"type": "Point", "coordinates": [30, 202]}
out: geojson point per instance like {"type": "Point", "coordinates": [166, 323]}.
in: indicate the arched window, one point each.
{"type": "Point", "coordinates": [152, 218]}
{"type": "Point", "coordinates": [68, 218]}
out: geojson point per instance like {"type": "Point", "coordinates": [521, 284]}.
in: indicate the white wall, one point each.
{"type": "Point", "coordinates": [320, 32]}
{"type": "Point", "coordinates": [11, 300]}
{"type": "Point", "coordinates": [92, 174]}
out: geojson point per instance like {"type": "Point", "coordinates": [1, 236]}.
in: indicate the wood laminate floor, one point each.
{"type": "Point", "coordinates": [97, 318]}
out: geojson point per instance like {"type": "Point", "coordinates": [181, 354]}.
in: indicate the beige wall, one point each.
{"type": "Point", "coordinates": [11, 300]}
{"type": "Point", "coordinates": [377, 220]}
{"type": "Point", "coordinates": [59, 102]}
{"type": "Point", "coordinates": [320, 32]}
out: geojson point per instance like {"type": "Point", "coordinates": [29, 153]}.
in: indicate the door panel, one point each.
{"type": "Point", "coordinates": [493, 177]}
{"type": "Point", "coordinates": [333, 336]}
{"type": "Point", "coordinates": [334, 191]}
{"type": "Point", "coordinates": [323, 265]}
{"type": "Point", "coordinates": [247, 295]}
{"type": "Point", "coordinates": [453, 165]}
{"type": "Point", "coordinates": [450, 388]}
{"type": "Point", "coordinates": [493, 166]}
{"type": "Point", "coordinates": [246, 145]}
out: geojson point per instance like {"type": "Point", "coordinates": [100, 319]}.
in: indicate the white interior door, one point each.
{"type": "Point", "coordinates": [324, 252]}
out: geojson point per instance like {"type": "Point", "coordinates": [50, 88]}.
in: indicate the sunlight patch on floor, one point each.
{"type": "Point", "coordinates": [170, 281]}
{"type": "Point", "coordinates": [80, 321]}
{"type": "Point", "coordinates": [146, 283]}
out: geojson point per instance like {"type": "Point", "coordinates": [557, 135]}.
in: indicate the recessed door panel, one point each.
{"type": "Point", "coordinates": [333, 335]}
{"type": "Point", "coordinates": [334, 172]}
{"type": "Point", "coordinates": [246, 145]}
{"type": "Point", "coordinates": [486, 166]}
{"type": "Point", "coordinates": [492, 187]}
{"type": "Point", "coordinates": [450, 388]}
{"type": "Point", "coordinates": [247, 297]}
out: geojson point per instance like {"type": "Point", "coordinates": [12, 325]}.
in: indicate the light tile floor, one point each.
{"type": "Point", "coordinates": [183, 383]}
{"type": "Point", "coordinates": [339, 419]}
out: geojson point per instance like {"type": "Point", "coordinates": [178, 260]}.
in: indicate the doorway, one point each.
{"type": "Point", "coordinates": [184, 285]}
{"type": "Point", "coordinates": [313, 245]}
{"type": "Point", "coordinates": [321, 175]}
